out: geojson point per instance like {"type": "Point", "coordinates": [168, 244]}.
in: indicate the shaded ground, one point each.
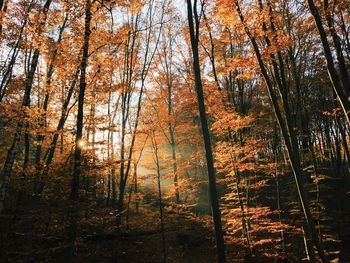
{"type": "Point", "coordinates": [39, 234]}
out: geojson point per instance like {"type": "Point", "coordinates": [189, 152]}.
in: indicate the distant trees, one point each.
{"type": "Point", "coordinates": [21, 124]}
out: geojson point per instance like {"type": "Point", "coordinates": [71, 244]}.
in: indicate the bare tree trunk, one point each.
{"type": "Point", "coordinates": [109, 145]}
{"type": "Point", "coordinates": [134, 184]}
{"type": "Point", "coordinates": [278, 194]}
{"type": "Point", "coordinates": [113, 194]}
{"type": "Point", "coordinates": [125, 107]}
{"type": "Point", "coordinates": [168, 57]}
{"type": "Point", "coordinates": [80, 118]}
{"type": "Point", "coordinates": [194, 35]}
{"type": "Point", "coordinates": [243, 213]}
{"type": "Point", "coordinates": [74, 194]}
{"type": "Point", "coordinates": [3, 9]}
{"type": "Point", "coordinates": [174, 161]}
{"type": "Point", "coordinates": [160, 202]}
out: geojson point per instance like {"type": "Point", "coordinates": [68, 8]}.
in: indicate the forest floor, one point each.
{"type": "Point", "coordinates": [39, 234]}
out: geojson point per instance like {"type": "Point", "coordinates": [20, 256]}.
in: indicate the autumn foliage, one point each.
{"type": "Point", "coordinates": [225, 121]}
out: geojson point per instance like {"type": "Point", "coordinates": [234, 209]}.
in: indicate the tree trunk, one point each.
{"type": "Point", "coordinates": [74, 194]}
{"type": "Point", "coordinates": [80, 118]}
{"type": "Point", "coordinates": [3, 9]}
{"type": "Point", "coordinates": [194, 34]}
{"type": "Point", "coordinates": [160, 202]}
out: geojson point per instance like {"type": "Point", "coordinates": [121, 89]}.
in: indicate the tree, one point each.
{"type": "Point", "coordinates": [79, 143]}
{"type": "Point", "coordinates": [193, 24]}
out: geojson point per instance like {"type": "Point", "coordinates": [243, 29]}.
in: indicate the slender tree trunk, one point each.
{"type": "Point", "coordinates": [136, 191]}
{"type": "Point", "coordinates": [243, 213]}
{"type": "Point", "coordinates": [278, 201]}
{"type": "Point", "coordinates": [173, 157]}
{"type": "Point", "coordinates": [129, 196]}
{"type": "Point", "coordinates": [344, 141]}
{"type": "Point", "coordinates": [80, 118]}
{"type": "Point", "coordinates": [171, 128]}
{"type": "Point", "coordinates": [160, 202]}
{"type": "Point", "coordinates": [26, 149]}
{"type": "Point", "coordinates": [194, 34]}
{"type": "Point", "coordinates": [109, 145]}
{"type": "Point", "coordinates": [113, 175]}
{"type": "Point", "coordinates": [125, 107]}
{"type": "Point", "coordinates": [123, 178]}
{"type": "Point", "coordinates": [134, 183]}
{"type": "Point", "coordinates": [309, 252]}
{"type": "Point", "coordinates": [74, 194]}
{"type": "Point", "coordinates": [3, 9]}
